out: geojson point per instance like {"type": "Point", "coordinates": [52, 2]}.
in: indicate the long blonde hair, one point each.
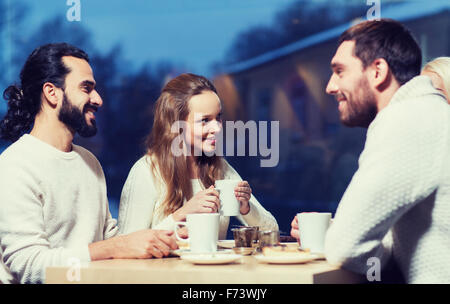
{"type": "Point", "coordinates": [172, 106]}
{"type": "Point", "coordinates": [440, 66]}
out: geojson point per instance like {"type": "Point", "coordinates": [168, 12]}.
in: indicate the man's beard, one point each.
{"type": "Point", "coordinates": [362, 108]}
{"type": "Point", "coordinates": [74, 119]}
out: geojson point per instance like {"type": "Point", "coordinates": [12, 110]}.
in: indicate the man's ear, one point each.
{"type": "Point", "coordinates": [51, 93]}
{"type": "Point", "coordinates": [379, 73]}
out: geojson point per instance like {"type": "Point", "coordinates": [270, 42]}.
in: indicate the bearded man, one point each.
{"type": "Point", "coordinates": [397, 205]}
{"type": "Point", "coordinates": [53, 201]}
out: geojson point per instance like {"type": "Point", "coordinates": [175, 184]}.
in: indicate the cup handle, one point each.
{"type": "Point", "coordinates": [177, 224]}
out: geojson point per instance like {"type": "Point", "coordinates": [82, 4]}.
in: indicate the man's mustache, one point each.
{"type": "Point", "coordinates": [89, 106]}
{"type": "Point", "coordinates": [340, 96]}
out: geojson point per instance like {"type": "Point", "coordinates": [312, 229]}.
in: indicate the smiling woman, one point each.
{"type": "Point", "coordinates": [164, 187]}
{"type": "Point", "coordinates": [203, 122]}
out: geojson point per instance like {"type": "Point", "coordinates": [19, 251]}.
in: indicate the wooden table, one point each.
{"type": "Point", "coordinates": [173, 270]}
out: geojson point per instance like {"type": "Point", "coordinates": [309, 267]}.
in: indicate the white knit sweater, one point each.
{"type": "Point", "coordinates": [142, 196]}
{"type": "Point", "coordinates": [398, 201]}
{"type": "Point", "coordinates": [52, 205]}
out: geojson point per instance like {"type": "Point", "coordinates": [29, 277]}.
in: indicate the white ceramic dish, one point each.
{"type": "Point", "coordinates": [186, 251]}
{"type": "Point", "coordinates": [211, 258]}
{"type": "Point", "coordinates": [244, 250]}
{"type": "Point", "coordinates": [287, 258]}
{"type": "Point", "coordinates": [229, 244]}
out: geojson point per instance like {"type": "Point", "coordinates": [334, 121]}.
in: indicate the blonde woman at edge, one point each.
{"type": "Point", "coordinates": [162, 188]}
{"type": "Point", "coordinates": [439, 72]}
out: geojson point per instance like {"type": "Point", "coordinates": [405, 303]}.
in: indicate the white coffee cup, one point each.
{"type": "Point", "coordinates": [229, 204]}
{"type": "Point", "coordinates": [203, 230]}
{"type": "Point", "coordinates": [313, 227]}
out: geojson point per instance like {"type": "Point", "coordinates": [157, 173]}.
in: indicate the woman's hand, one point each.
{"type": "Point", "coordinates": [294, 230]}
{"type": "Point", "coordinates": [243, 193]}
{"type": "Point", "coordinates": [205, 201]}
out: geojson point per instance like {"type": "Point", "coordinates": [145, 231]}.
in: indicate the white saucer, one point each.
{"type": "Point", "coordinates": [211, 258]}
{"type": "Point", "coordinates": [288, 258]}
{"type": "Point", "coordinates": [229, 244]}
{"type": "Point", "coordinates": [185, 251]}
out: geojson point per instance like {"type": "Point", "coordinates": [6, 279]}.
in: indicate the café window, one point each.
{"type": "Point", "coordinates": [264, 101]}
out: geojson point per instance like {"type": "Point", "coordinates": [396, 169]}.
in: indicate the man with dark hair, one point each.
{"type": "Point", "coordinates": [53, 202]}
{"type": "Point", "coordinates": [398, 202]}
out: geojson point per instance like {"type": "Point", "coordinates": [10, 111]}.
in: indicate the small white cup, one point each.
{"type": "Point", "coordinates": [313, 227]}
{"type": "Point", "coordinates": [203, 230]}
{"type": "Point", "coordinates": [229, 204]}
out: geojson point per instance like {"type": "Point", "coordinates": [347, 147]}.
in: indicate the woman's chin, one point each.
{"type": "Point", "coordinates": [209, 149]}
